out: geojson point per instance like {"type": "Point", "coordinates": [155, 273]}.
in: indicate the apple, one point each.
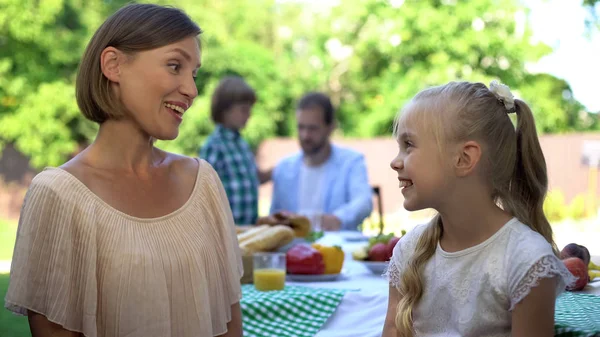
{"type": "Point", "coordinates": [379, 252]}
{"type": "Point", "coordinates": [578, 269]}
{"type": "Point", "coordinates": [586, 255]}
{"type": "Point", "coordinates": [575, 250]}
{"type": "Point", "coordinates": [390, 245]}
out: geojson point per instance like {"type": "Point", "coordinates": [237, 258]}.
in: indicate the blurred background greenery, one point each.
{"type": "Point", "coordinates": [371, 56]}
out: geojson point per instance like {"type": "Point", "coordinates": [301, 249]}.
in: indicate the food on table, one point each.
{"type": "Point", "coordinates": [593, 270]}
{"type": "Point", "coordinates": [269, 279]}
{"type": "Point", "coordinates": [380, 248]}
{"type": "Point", "coordinates": [248, 234]}
{"type": "Point", "coordinates": [300, 224]}
{"type": "Point", "coordinates": [264, 239]}
{"type": "Point", "coordinates": [239, 229]}
{"type": "Point", "coordinates": [379, 252]}
{"type": "Point", "coordinates": [313, 236]}
{"type": "Point", "coordinates": [579, 270]}
{"type": "Point", "coordinates": [587, 258]}
{"type": "Point", "coordinates": [333, 257]}
{"type": "Point", "coordinates": [304, 259]}
{"type": "Point", "coordinates": [575, 250]}
{"type": "Point", "coordinates": [381, 238]}
{"type": "Point", "coordinates": [391, 244]}
{"type": "Point", "coordinates": [361, 253]}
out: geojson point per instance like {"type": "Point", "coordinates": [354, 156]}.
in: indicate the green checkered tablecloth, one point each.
{"type": "Point", "coordinates": [577, 315]}
{"type": "Point", "coordinates": [294, 311]}
{"type": "Point", "coordinates": [302, 311]}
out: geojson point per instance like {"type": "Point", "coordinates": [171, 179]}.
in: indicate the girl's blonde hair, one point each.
{"type": "Point", "coordinates": [513, 163]}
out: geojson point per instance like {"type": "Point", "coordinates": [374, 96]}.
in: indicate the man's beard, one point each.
{"type": "Point", "coordinates": [310, 149]}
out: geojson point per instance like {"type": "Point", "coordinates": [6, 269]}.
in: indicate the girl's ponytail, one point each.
{"type": "Point", "coordinates": [529, 183]}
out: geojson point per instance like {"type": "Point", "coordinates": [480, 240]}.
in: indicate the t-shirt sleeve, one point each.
{"type": "Point", "coordinates": [54, 261]}
{"type": "Point", "coordinates": [401, 254]}
{"type": "Point", "coordinates": [231, 244]}
{"type": "Point", "coordinates": [225, 285]}
{"type": "Point", "coordinates": [531, 261]}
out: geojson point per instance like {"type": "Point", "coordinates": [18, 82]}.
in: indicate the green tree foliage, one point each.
{"type": "Point", "coordinates": [593, 19]}
{"type": "Point", "coordinates": [371, 56]}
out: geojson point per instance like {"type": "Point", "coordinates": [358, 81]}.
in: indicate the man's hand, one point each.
{"type": "Point", "coordinates": [330, 222]}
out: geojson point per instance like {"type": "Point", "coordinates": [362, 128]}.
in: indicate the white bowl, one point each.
{"type": "Point", "coordinates": [353, 236]}
{"type": "Point", "coordinates": [375, 267]}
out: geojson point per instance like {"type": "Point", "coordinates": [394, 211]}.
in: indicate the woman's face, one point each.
{"type": "Point", "coordinates": [157, 86]}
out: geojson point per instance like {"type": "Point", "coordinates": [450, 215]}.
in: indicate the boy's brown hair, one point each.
{"type": "Point", "coordinates": [230, 91]}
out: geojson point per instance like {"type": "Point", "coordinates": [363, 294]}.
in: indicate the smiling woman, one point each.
{"type": "Point", "coordinates": [126, 239]}
{"type": "Point", "coordinates": [155, 57]}
{"type": "Point", "coordinates": [157, 86]}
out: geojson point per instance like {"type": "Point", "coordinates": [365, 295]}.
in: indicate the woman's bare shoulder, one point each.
{"type": "Point", "coordinates": [183, 166]}
{"type": "Point", "coordinates": [76, 168]}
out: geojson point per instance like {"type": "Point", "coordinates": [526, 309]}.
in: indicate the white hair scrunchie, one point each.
{"type": "Point", "coordinates": [503, 94]}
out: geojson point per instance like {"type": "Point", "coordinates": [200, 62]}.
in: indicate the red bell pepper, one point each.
{"type": "Point", "coordinates": [304, 259]}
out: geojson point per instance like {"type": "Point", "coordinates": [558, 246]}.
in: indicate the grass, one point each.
{"type": "Point", "coordinates": [11, 325]}
{"type": "Point", "coordinates": [8, 233]}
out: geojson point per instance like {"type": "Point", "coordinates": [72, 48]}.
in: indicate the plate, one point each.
{"type": "Point", "coordinates": [354, 236]}
{"type": "Point", "coordinates": [296, 241]}
{"type": "Point", "coordinates": [374, 266]}
{"type": "Point", "coordinates": [312, 278]}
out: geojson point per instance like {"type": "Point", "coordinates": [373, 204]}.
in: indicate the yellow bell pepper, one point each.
{"type": "Point", "coordinates": [333, 257]}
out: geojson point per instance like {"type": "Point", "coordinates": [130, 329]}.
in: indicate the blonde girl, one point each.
{"type": "Point", "coordinates": [486, 264]}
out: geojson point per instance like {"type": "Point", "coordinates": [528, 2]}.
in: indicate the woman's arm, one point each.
{"type": "Point", "coordinates": [234, 327]}
{"type": "Point", "coordinates": [534, 315]}
{"type": "Point", "coordinates": [40, 326]}
{"type": "Point", "coordinates": [389, 327]}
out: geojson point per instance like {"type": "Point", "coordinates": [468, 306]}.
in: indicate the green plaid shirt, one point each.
{"type": "Point", "coordinates": [232, 158]}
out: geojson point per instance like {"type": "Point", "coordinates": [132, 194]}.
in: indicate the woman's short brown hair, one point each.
{"type": "Point", "coordinates": [133, 28]}
{"type": "Point", "coordinates": [231, 90]}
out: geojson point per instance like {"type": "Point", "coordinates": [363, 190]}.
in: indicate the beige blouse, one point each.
{"type": "Point", "coordinates": [95, 270]}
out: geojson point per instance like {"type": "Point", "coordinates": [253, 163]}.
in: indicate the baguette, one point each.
{"type": "Point", "coordinates": [267, 240]}
{"type": "Point", "coordinates": [249, 234]}
{"type": "Point", "coordinates": [301, 226]}
{"type": "Point", "coordinates": [243, 228]}
{"type": "Point", "coordinates": [272, 220]}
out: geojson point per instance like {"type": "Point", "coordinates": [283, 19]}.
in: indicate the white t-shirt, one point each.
{"type": "Point", "coordinates": [472, 292]}
{"type": "Point", "coordinates": [310, 192]}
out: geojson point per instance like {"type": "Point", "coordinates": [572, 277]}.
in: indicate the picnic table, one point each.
{"type": "Point", "coordinates": [355, 304]}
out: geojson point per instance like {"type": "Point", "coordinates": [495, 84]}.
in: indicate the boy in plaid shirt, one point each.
{"type": "Point", "coordinates": [229, 154]}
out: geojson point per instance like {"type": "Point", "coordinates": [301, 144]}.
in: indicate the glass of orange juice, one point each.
{"type": "Point", "coordinates": [269, 271]}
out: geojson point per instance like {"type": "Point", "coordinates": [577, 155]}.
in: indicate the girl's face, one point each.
{"type": "Point", "coordinates": [157, 86]}
{"type": "Point", "coordinates": [423, 170]}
